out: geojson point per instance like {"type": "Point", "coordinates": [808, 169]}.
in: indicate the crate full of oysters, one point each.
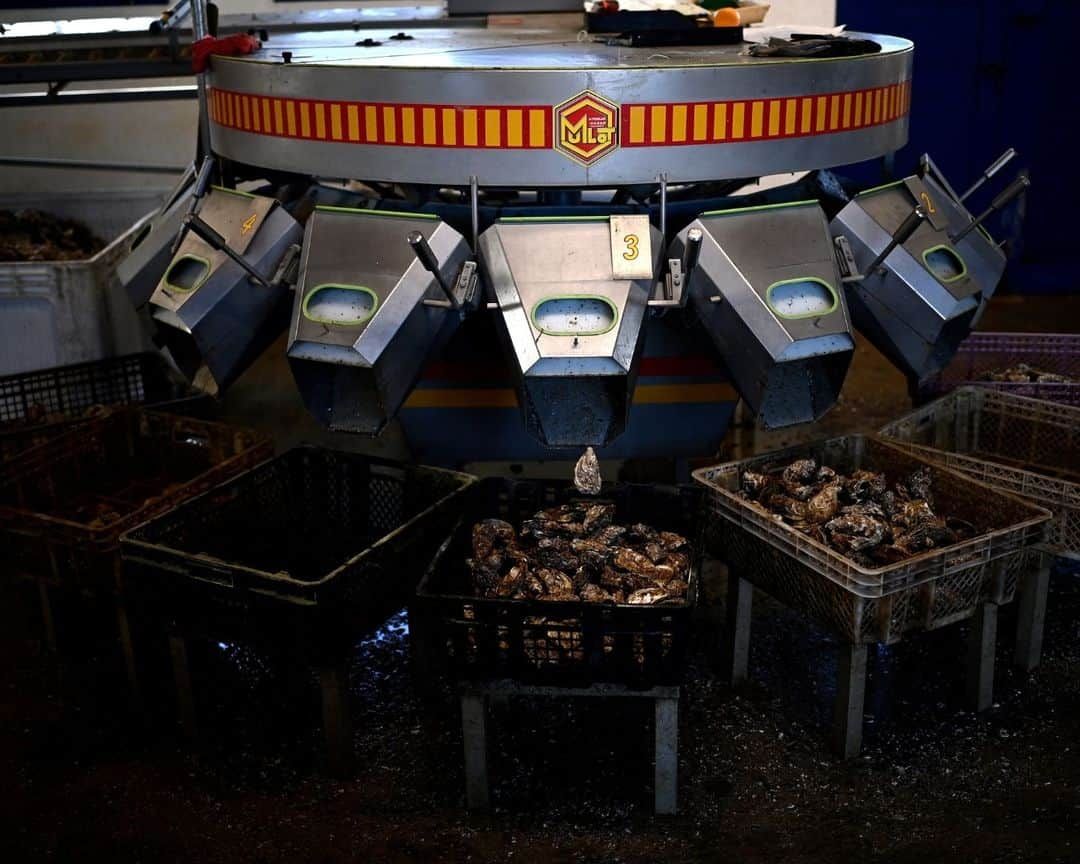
{"type": "Point", "coordinates": [542, 584]}
{"type": "Point", "coordinates": [872, 540]}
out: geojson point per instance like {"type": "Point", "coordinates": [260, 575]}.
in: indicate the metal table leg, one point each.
{"type": "Point", "coordinates": [127, 646]}
{"type": "Point", "coordinates": [1029, 630]}
{"type": "Point", "coordinates": [47, 619]}
{"type": "Point", "coordinates": [333, 682]}
{"type": "Point", "coordinates": [850, 697]}
{"type": "Point", "coordinates": [185, 701]}
{"type": "Point", "coordinates": [740, 600]}
{"type": "Point", "coordinates": [667, 756]}
{"type": "Point", "coordinates": [474, 734]}
{"type": "Point", "coordinates": [980, 669]}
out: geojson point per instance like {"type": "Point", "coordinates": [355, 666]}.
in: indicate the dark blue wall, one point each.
{"type": "Point", "coordinates": [990, 75]}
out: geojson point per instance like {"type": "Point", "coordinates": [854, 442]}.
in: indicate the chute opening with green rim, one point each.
{"type": "Point", "coordinates": [575, 315]}
{"type": "Point", "coordinates": [339, 304]}
{"type": "Point", "coordinates": [945, 263]}
{"type": "Point", "coordinates": [801, 298]}
{"type": "Point", "coordinates": [187, 273]}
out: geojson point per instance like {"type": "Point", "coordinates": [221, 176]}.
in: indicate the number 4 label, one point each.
{"type": "Point", "coordinates": [631, 247]}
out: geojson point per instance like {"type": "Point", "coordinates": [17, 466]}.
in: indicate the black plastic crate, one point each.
{"type": "Point", "coordinates": [556, 643]}
{"type": "Point", "coordinates": [37, 406]}
{"type": "Point", "coordinates": [342, 536]}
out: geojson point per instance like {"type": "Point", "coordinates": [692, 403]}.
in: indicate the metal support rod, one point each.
{"type": "Point", "coordinates": [850, 698]}
{"type": "Point", "coordinates": [185, 699]}
{"type": "Point", "coordinates": [740, 604]}
{"type": "Point", "coordinates": [666, 773]}
{"type": "Point", "coordinates": [89, 165]}
{"type": "Point", "coordinates": [663, 208]}
{"type": "Point", "coordinates": [199, 31]}
{"type": "Point", "coordinates": [1010, 192]}
{"type": "Point", "coordinates": [474, 210]}
{"type": "Point", "coordinates": [200, 228]}
{"type": "Point", "coordinates": [1029, 629]}
{"type": "Point", "coordinates": [171, 18]}
{"type": "Point", "coordinates": [198, 191]}
{"type": "Point", "coordinates": [982, 640]}
{"type": "Point", "coordinates": [337, 729]}
{"type": "Point", "coordinates": [427, 258]}
{"type": "Point", "coordinates": [474, 735]}
{"type": "Point", "coordinates": [995, 166]}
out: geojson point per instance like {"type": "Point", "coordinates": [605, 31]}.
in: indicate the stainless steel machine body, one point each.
{"type": "Point", "coordinates": [574, 326]}
{"type": "Point", "coordinates": [767, 290]}
{"type": "Point", "coordinates": [210, 314]}
{"type": "Point", "coordinates": [365, 319]}
{"type": "Point", "coordinates": [920, 303]}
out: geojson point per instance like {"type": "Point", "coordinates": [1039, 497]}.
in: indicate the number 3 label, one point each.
{"type": "Point", "coordinates": [631, 247]}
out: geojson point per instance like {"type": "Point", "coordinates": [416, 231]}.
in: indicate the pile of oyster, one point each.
{"type": "Point", "coordinates": [577, 552]}
{"type": "Point", "coordinates": [856, 514]}
{"type": "Point", "coordinates": [1023, 373]}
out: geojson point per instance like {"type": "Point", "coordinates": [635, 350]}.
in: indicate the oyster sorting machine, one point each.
{"type": "Point", "coordinates": [521, 240]}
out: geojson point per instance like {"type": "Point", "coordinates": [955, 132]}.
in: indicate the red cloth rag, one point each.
{"type": "Point", "coordinates": [241, 43]}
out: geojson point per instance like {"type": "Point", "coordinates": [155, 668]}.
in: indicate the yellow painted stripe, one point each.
{"type": "Point", "coordinates": [738, 120]}
{"type": "Point", "coordinates": [371, 124]}
{"type": "Point", "coordinates": [789, 116]}
{"type": "Point", "coordinates": [868, 108]}
{"type": "Point", "coordinates": [228, 109]}
{"type": "Point", "coordinates": [504, 397]}
{"type": "Point", "coordinates": [720, 122]}
{"type": "Point", "coordinates": [256, 115]}
{"type": "Point", "coordinates": [877, 105]}
{"type": "Point", "coordinates": [757, 114]}
{"type": "Point", "coordinates": [246, 107]}
{"type": "Point", "coordinates": [389, 125]}
{"type": "Point", "coordinates": [279, 117]}
{"type": "Point", "coordinates": [408, 125]}
{"type": "Point", "coordinates": [305, 121]}
{"type": "Point", "coordinates": [492, 133]}
{"type": "Point", "coordinates": [847, 110]}
{"type": "Point", "coordinates": [669, 394]}
{"type": "Point", "coordinates": [266, 114]}
{"type": "Point", "coordinates": [449, 126]}
{"type": "Point", "coordinates": [858, 109]}
{"type": "Point", "coordinates": [335, 121]}
{"type": "Point", "coordinates": [537, 122]}
{"type": "Point", "coordinates": [678, 123]}
{"type": "Point", "coordinates": [658, 133]}
{"type": "Point", "coordinates": [515, 131]}
{"type": "Point", "coordinates": [701, 122]}
{"type": "Point", "coordinates": [834, 112]}
{"type": "Point", "coordinates": [427, 117]}
{"type": "Point", "coordinates": [775, 107]}
{"type": "Point", "coordinates": [353, 117]}
{"type": "Point", "coordinates": [290, 117]}
{"type": "Point", "coordinates": [493, 397]}
{"type": "Point", "coordinates": [471, 127]}
{"type": "Point", "coordinates": [819, 113]}
{"type": "Point", "coordinates": [807, 106]}
{"type": "Point", "coordinates": [320, 120]}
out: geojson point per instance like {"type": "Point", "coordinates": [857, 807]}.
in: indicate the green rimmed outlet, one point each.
{"type": "Point", "coordinates": [805, 297]}
{"type": "Point", "coordinates": [574, 315]}
{"type": "Point", "coordinates": [340, 304]}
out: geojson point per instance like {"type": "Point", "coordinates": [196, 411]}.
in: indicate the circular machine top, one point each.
{"type": "Point", "coordinates": [547, 108]}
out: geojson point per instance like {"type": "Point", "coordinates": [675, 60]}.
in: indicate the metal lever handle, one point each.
{"type": "Point", "coordinates": [692, 252]}
{"type": "Point", "coordinates": [902, 234]}
{"type": "Point", "coordinates": [999, 163]}
{"type": "Point", "coordinates": [1010, 192]}
{"type": "Point", "coordinates": [427, 259]}
{"type": "Point", "coordinates": [213, 239]}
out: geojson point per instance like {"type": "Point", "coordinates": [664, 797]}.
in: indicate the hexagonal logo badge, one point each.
{"type": "Point", "coordinates": [586, 127]}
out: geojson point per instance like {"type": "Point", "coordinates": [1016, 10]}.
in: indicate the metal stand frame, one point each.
{"type": "Point", "coordinates": [474, 699]}
{"type": "Point", "coordinates": [852, 659]}
{"type": "Point", "coordinates": [1032, 619]}
{"type": "Point", "coordinates": [333, 683]}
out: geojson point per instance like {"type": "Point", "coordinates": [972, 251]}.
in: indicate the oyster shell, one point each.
{"type": "Point", "coordinates": [587, 473]}
{"type": "Point", "coordinates": [647, 597]}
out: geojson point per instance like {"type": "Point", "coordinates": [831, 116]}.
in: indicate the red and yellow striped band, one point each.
{"type": "Point", "coordinates": [529, 127]}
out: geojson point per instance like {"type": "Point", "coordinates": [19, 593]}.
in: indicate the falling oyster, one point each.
{"type": "Point", "coordinates": [587, 473]}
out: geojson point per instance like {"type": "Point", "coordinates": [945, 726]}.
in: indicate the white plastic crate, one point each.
{"type": "Point", "coordinates": [53, 313]}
